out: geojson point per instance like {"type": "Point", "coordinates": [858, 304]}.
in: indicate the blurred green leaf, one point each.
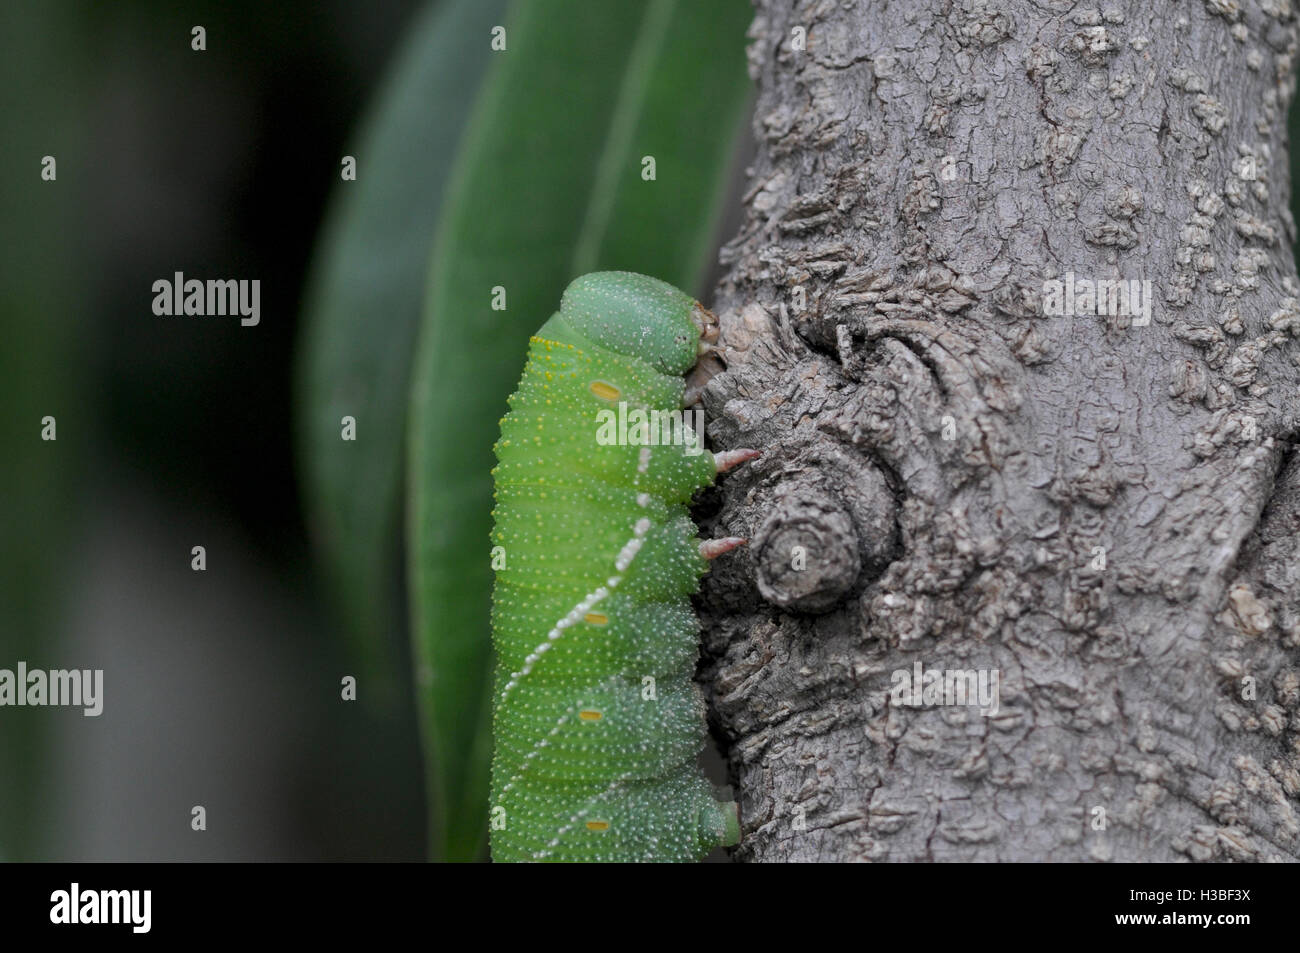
{"type": "Point", "coordinates": [362, 315]}
{"type": "Point", "coordinates": [43, 111]}
{"type": "Point", "coordinates": [548, 185]}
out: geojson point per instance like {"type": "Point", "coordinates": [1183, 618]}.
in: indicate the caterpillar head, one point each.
{"type": "Point", "coordinates": [640, 317]}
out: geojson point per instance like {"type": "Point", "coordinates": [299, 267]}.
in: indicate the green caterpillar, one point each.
{"type": "Point", "coordinates": [597, 722]}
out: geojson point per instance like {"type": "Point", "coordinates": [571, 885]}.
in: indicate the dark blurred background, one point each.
{"type": "Point", "coordinates": [223, 687]}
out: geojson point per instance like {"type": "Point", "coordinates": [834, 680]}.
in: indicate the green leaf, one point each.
{"type": "Point", "coordinates": [44, 100]}
{"type": "Point", "coordinates": [548, 184]}
{"type": "Point", "coordinates": [362, 316]}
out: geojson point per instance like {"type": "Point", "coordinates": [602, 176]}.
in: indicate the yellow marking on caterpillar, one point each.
{"type": "Point", "coordinates": [598, 825]}
{"type": "Point", "coordinates": [605, 391]}
{"type": "Point", "coordinates": [589, 714]}
{"type": "Point", "coordinates": [596, 618]}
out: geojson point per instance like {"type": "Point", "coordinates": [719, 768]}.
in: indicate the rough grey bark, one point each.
{"type": "Point", "coordinates": [1104, 513]}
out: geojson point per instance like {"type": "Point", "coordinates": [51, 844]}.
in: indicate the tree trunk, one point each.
{"type": "Point", "coordinates": [1097, 510]}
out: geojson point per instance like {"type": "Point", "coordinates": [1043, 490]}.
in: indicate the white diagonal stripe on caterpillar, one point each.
{"type": "Point", "coordinates": [632, 546]}
{"type": "Point", "coordinates": [537, 749]}
{"type": "Point", "coordinates": [543, 742]}
{"type": "Point", "coordinates": [591, 803]}
{"type": "Point", "coordinates": [590, 601]}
